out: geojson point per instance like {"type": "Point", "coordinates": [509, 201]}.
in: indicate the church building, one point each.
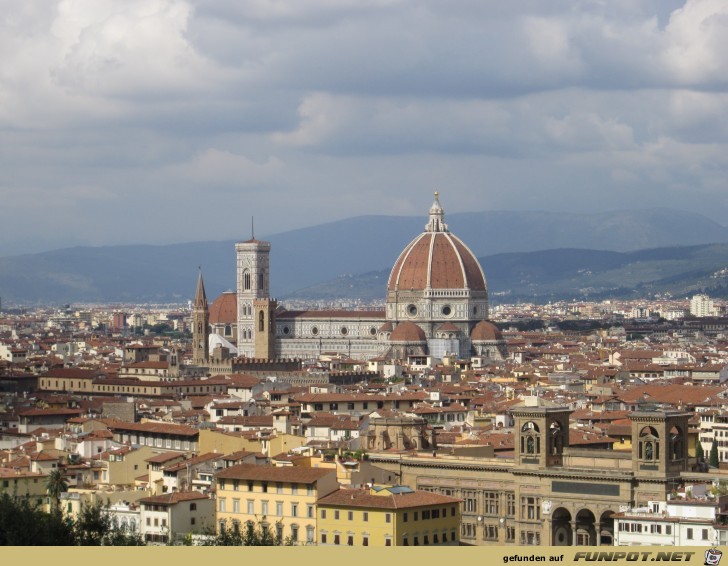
{"type": "Point", "coordinates": [436, 304]}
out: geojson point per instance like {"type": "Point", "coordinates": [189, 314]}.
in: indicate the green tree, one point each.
{"type": "Point", "coordinates": [55, 485]}
{"type": "Point", "coordinates": [713, 458]}
{"type": "Point", "coordinates": [699, 452]}
{"type": "Point", "coordinates": [251, 534]}
{"type": "Point", "coordinates": [23, 523]}
{"type": "Point", "coordinates": [95, 527]}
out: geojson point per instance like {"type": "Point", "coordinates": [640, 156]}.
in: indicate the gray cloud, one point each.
{"type": "Point", "coordinates": [172, 120]}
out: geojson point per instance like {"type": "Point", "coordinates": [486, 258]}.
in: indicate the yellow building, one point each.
{"type": "Point", "coordinates": [388, 516]}
{"type": "Point", "coordinates": [282, 498]}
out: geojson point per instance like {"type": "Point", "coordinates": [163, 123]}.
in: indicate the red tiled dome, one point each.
{"type": "Point", "coordinates": [224, 309]}
{"type": "Point", "coordinates": [408, 332]}
{"type": "Point", "coordinates": [436, 260]}
{"type": "Point", "coordinates": [485, 331]}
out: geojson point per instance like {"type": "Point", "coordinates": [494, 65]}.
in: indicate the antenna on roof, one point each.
{"type": "Point", "coordinates": [252, 227]}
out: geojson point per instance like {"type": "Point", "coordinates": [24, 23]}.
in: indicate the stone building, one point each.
{"type": "Point", "coordinates": [550, 493]}
{"type": "Point", "coordinates": [436, 304]}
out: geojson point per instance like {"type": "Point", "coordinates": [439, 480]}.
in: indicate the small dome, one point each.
{"type": "Point", "coordinates": [408, 332]}
{"type": "Point", "coordinates": [224, 309]}
{"type": "Point", "coordinates": [386, 327]}
{"type": "Point", "coordinates": [448, 327]}
{"type": "Point", "coordinates": [485, 331]}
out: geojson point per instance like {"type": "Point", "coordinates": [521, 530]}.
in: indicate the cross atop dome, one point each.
{"type": "Point", "coordinates": [437, 217]}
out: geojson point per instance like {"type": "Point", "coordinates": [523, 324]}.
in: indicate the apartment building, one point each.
{"type": "Point", "coordinates": [282, 498]}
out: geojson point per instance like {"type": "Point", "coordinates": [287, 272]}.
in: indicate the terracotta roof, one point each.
{"type": "Point", "coordinates": [224, 309]}
{"type": "Point", "coordinates": [408, 332]}
{"type": "Point", "coordinates": [295, 474]}
{"type": "Point", "coordinates": [363, 498]}
{"type": "Point", "coordinates": [153, 427]}
{"type": "Point", "coordinates": [172, 498]}
{"type": "Point", "coordinates": [437, 260]}
{"type": "Point", "coordinates": [485, 331]}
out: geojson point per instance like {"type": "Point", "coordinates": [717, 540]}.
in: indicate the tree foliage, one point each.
{"type": "Point", "coordinates": [713, 458]}
{"type": "Point", "coordinates": [251, 534]}
{"type": "Point", "coordinates": [55, 485]}
{"type": "Point", "coordinates": [23, 523]}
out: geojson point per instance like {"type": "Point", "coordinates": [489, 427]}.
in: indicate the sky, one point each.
{"type": "Point", "coordinates": [162, 121]}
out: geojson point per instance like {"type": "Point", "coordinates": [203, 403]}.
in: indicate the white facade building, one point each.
{"type": "Point", "coordinates": [689, 522]}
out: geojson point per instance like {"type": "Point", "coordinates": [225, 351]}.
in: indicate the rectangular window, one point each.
{"type": "Point", "coordinates": [309, 511]}
{"type": "Point", "coordinates": [250, 486]}
{"type": "Point", "coordinates": [491, 503]}
{"type": "Point", "coordinates": [251, 507]}
{"type": "Point", "coordinates": [279, 487]}
{"type": "Point", "coordinates": [510, 504]}
{"type": "Point", "coordinates": [690, 534]}
{"type": "Point", "coordinates": [323, 513]}
{"type": "Point", "coordinates": [294, 509]}
{"type": "Point", "coordinates": [350, 515]}
{"type": "Point", "coordinates": [323, 538]}
{"type": "Point", "coordinates": [279, 508]}
{"type": "Point", "coordinates": [387, 517]}
{"type": "Point", "coordinates": [365, 516]}
{"type": "Point", "coordinates": [387, 541]}
{"type": "Point", "coordinates": [350, 540]}
{"type": "Point", "coordinates": [531, 508]}
{"type": "Point", "coordinates": [336, 515]}
{"type": "Point", "coordinates": [236, 506]}
{"type": "Point", "coordinates": [405, 517]}
{"type": "Point", "coordinates": [294, 533]}
{"type": "Point", "coordinates": [264, 507]}
{"type": "Point", "coordinates": [365, 540]}
{"type": "Point", "coordinates": [294, 489]}
{"type": "Point", "coordinates": [221, 505]}
{"type": "Point", "coordinates": [309, 490]}
{"type": "Point", "coordinates": [337, 539]}
{"type": "Point", "coordinates": [705, 534]}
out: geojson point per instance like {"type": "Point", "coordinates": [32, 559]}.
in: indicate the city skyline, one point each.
{"type": "Point", "coordinates": [119, 120]}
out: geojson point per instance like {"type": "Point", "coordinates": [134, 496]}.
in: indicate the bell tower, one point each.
{"type": "Point", "coordinates": [265, 322]}
{"type": "Point", "coordinates": [253, 276]}
{"type": "Point", "coordinates": [542, 433]}
{"type": "Point", "coordinates": [200, 325]}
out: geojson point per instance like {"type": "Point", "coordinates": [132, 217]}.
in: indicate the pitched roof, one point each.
{"type": "Point", "coordinates": [363, 498]}
{"type": "Point", "coordinates": [295, 474]}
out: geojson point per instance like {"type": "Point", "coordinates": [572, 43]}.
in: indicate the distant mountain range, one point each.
{"type": "Point", "coordinates": [330, 258]}
{"type": "Point", "coordinates": [571, 274]}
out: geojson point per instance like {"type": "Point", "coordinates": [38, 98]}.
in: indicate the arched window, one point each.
{"type": "Point", "coordinates": [530, 439]}
{"type": "Point", "coordinates": [261, 321]}
{"type": "Point", "coordinates": [676, 444]}
{"type": "Point", "coordinates": [228, 330]}
{"type": "Point", "coordinates": [556, 439]}
{"type": "Point", "coordinates": [261, 276]}
{"type": "Point", "coordinates": [246, 280]}
{"type": "Point", "coordinates": [649, 444]}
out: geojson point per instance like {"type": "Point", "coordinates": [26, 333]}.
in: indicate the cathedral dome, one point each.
{"type": "Point", "coordinates": [224, 309]}
{"type": "Point", "coordinates": [436, 259]}
{"type": "Point", "coordinates": [408, 332]}
{"type": "Point", "coordinates": [485, 331]}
